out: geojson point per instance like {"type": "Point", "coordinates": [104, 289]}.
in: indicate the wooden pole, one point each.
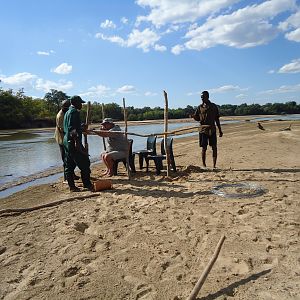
{"type": "Point", "coordinates": [125, 120]}
{"type": "Point", "coordinates": [87, 122]}
{"type": "Point", "coordinates": [166, 132]}
{"type": "Point", "coordinates": [205, 273]}
{"type": "Point", "coordinates": [103, 116]}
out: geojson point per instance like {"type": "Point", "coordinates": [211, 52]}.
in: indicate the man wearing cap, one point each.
{"type": "Point", "coordinates": [117, 145]}
{"type": "Point", "coordinates": [208, 115]}
{"type": "Point", "coordinates": [59, 132]}
{"type": "Point", "coordinates": [75, 152]}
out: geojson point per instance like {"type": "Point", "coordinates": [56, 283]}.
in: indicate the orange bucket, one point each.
{"type": "Point", "coordinates": [102, 184]}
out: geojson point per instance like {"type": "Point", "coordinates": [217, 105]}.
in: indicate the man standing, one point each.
{"type": "Point", "coordinates": [117, 145]}
{"type": "Point", "coordinates": [75, 154]}
{"type": "Point", "coordinates": [59, 132]}
{"type": "Point", "coordinates": [208, 115]}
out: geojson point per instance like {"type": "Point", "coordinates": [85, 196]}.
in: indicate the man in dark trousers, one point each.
{"type": "Point", "coordinates": [75, 154]}
{"type": "Point", "coordinates": [59, 132]}
{"type": "Point", "coordinates": [208, 115]}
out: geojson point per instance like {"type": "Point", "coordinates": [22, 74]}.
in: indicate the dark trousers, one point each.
{"type": "Point", "coordinates": [62, 153]}
{"type": "Point", "coordinates": [77, 158]}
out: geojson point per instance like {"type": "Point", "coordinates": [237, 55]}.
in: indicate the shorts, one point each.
{"type": "Point", "coordinates": [117, 154]}
{"type": "Point", "coordinates": [205, 139]}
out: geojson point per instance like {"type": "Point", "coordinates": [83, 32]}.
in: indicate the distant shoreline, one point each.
{"type": "Point", "coordinates": [160, 121]}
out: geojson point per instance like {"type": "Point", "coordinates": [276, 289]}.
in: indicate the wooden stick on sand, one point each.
{"type": "Point", "coordinates": [205, 273]}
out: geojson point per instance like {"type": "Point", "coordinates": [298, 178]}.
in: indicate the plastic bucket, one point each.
{"type": "Point", "coordinates": [102, 184]}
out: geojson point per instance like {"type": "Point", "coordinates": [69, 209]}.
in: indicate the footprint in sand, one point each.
{"type": "Point", "coordinates": [143, 291]}
{"type": "Point", "coordinates": [234, 266]}
{"type": "Point", "coordinates": [81, 226]}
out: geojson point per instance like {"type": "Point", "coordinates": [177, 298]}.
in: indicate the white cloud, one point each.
{"type": "Point", "coordinates": [177, 49]}
{"type": "Point", "coordinates": [160, 48]}
{"type": "Point", "coordinates": [226, 89]}
{"type": "Point", "coordinates": [47, 85]}
{"type": "Point", "coordinates": [283, 89]}
{"type": "Point", "coordinates": [18, 79]}
{"type": "Point", "coordinates": [292, 67]}
{"type": "Point", "coordinates": [126, 89]}
{"type": "Point", "coordinates": [246, 27]}
{"type": "Point", "coordinates": [108, 24]}
{"type": "Point", "coordinates": [293, 21]}
{"type": "Point", "coordinates": [124, 20]}
{"type": "Point", "coordinates": [179, 11]}
{"type": "Point", "coordinates": [61, 41]}
{"type": "Point", "coordinates": [141, 39]}
{"type": "Point", "coordinates": [241, 96]}
{"type": "Point", "coordinates": [96, 91]}
{"type": "Point", "coordinates": [63, 68]}
{"type": "Point", "coordinates": [293, 35]}
{"type": "Point", "coordinates": [42, 53]}
{"type": "Point", "coordinates": [150, 94]}
{"type": "Point", "coordinates": [45, 53]}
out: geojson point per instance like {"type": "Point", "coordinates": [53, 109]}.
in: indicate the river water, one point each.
{"type": "Point", "coordinates": [29, 153]}
{"type": "Point", "coordinates": [26, 153]}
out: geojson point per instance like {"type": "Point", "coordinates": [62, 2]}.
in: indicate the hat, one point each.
{"type": "Point", "coordinates": [65, 104]}
{"type": "Point", "coordinates": [76, 99]}
{"type": "Point", "coordinates": [107, 120]}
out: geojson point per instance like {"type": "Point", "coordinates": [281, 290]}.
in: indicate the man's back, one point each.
{"type": "Point", "coordinates": [71, 122]}
{"type": "Point", "coordinates": [207, 114]}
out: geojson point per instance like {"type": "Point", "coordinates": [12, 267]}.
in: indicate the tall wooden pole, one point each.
{"type": "Point", "coordinates": [103, 116]}
{"type": "Point", "coordinates": [166, 133]}
{"type": "Point", "coordinates": [87, 122]}
{"type": "Point", "coordinates": [125, 120]}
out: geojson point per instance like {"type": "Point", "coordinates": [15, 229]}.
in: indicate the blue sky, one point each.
{"type": "Point", "coordinates": [240, 51]}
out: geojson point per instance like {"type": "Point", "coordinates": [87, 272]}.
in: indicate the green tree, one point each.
{"type": "Point", "coordinates": [54, 99]}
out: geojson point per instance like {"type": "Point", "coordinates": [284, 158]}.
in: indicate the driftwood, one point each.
{"type": "Point", "coordinates": [5, 212]}
{"type": "Point", "coordinates": [205, 273]}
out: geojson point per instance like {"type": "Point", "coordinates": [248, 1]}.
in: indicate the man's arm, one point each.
{"type": "Point", "coordinates": [105, 133]}
{"type": "Point", "coordinates": [219, 126]}
{"type": "Point", "coordinates": [196, 115]}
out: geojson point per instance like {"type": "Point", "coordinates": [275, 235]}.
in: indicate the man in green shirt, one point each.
{"type": "Point", "coordinates": [208, 115]}
{"type": "Point", "coordinates": [75, 154]}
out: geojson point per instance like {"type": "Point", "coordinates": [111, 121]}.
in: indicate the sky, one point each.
{"type": "Point", "coordinates": [104, 51]}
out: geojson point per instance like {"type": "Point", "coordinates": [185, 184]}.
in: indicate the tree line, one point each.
{"type": "Point", "coordinates": [21, 111]}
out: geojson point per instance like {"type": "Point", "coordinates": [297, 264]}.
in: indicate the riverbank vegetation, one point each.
{"type": "Point", "coordinates": [21, 111]}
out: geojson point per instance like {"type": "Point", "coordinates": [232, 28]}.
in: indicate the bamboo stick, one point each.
{"type": "Point", "coordinates": [166, 132]}
{"type": "Point", "coordinates": [125, 120]}
{"type": "Point", "coordinates": [205, 273]}
{"type": "Point", "coordinates": [103, 116]}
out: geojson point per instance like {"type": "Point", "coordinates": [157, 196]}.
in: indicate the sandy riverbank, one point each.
{"type": "Point", "coordinates": [150, 238]}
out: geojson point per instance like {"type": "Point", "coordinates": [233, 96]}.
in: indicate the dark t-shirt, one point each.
{"type": "Point", "coordinates": [207, 114]}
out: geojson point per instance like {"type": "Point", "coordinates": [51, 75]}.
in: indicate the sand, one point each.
{"type": "Point", "coordinates": [151, 237]}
